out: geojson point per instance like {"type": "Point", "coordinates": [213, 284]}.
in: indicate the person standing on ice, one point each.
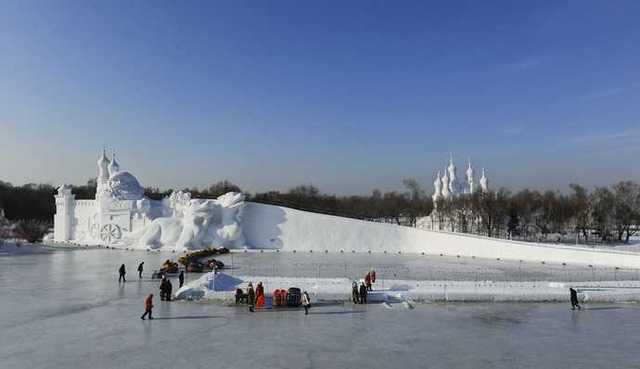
{"type": "Point", "coordinates": [354, 292]}
{"type": "Point", "coordinates": [140, 269]}
{"type": "Point", "coordinates": [259, 290]}
{"type": "Point", "coordinates": [169, 290]}
{"type": "Point", "coordinates": [251, 297]}
{"type": "Point", "coordinates": [163, 288]}
{"type": "Point", "coordinates": [148, 306]}
{"type": "Point", "coordinates": [181, 278]}
{"type": "Point", "coordinates": [122, 272]}
{"type": "Point", "coordinates": [363, 293]}
{"type": "Point", "coordinates": [574, 299]}
{"type": "Point", "coordinates": [367, 281]}
{"type": "Point", "coordinates": [306, 302]}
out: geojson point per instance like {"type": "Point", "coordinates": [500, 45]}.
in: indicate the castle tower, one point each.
{"type": "Point", "coordinates": [65, 202]}
{"type": "Point", "coordinates": [113, 166]}
{"type": "Point", "coordinates": [437, 189]}
{"type": "Point", "coordinates": [445, 185]}
{"type": "Point", "coordinates": [453, 181]}
{"type": "Point", "coordinates": [103, 174]}
{"type": "Point", "coordinates": [484, 182]}
{"type": "Point", "coordinates": [470, 182]}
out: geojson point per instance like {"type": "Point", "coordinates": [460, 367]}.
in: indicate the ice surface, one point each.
{"type": "Point", "coordinates": [67, 310]}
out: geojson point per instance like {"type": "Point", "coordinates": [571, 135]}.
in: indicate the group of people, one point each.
{"type": "Point", "coordinates": [256, 297]}
{"type": "Point", "coordinates": [359, 294]}
{"type": "Point", "coordinates": [166, 288]}
{"type": "Point", "coordinates": [122, 272]}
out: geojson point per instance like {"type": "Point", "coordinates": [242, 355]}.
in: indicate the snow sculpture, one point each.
{"type": "Point", "coordinates": [445, 185]}
{"type": "Point", "coordinates": [470, 182]}
{"type": "Point", "coordinates": [124, 186]}
{"type": "Point", "coordinates": [484, 182]}
{"type": "Point", "coordinates": [450, 187]}
{"type": "Point", "coordinates": [197, 223]}
{"type": "Point", "coordinates": [122, 215]}
{"type": "Point", "coordinates": [437, 185]}
{"type": "Point", "coordinates": [453, 179]}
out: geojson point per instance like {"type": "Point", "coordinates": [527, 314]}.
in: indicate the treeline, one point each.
{"type": "Point", "coordinates": [30, 201]}
{"type": "Point", "coordinates": [403, 208]}
{"type": "Point", "coordinates": [604, 214]}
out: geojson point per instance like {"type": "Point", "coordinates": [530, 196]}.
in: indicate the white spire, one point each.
{"type": "Point", "coordinates": [103, 164]}
{"type": "Point", "coordinates": [470, 182]}
{"type": "Point", "coordinates": [103, 172]}
{"type": "Point", "coordinates": [437, 188]}
{"type": "Point", "coordinates": [445, 184]}
{"type": "Point", "coordinates": [113, 166]}
{"type": "Point", "coordinates": [453, 181]}
{"type": "Point", "coordinates": [484, 182]}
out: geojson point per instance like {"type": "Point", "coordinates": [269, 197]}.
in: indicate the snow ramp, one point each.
{"type": "Point", "coordinates": [276, 227]}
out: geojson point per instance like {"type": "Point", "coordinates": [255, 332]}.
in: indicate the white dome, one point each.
{"type": "Point", "coordinates": [124, 186]}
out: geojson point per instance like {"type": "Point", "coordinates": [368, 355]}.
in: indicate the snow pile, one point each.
{"type": "Point", "coordinates": [401, 291]}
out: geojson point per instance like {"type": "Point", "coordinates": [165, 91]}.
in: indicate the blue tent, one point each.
{"type": "Point", "coordinates": [223, 282]}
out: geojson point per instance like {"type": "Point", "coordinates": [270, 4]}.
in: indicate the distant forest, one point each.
{"type": "Point", "coordinates": [604, 214]}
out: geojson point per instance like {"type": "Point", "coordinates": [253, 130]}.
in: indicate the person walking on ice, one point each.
{"type": "Point", "coordinates": [148, 307]}
{"type": "Point", "coordinates": [574, 299]}
{"type": "Point", "coordinates": [181, 278]}
{"type": "Point", "coordinates": [306, 302]}
{"type": "Point", "coordinates": [122, 271]}
{"type": "Point", "coordinates": [140, 269]}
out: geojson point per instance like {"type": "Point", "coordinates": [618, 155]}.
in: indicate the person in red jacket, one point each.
{"type": "Point", "coordinates": [148, 306]}
{"type": "Point", "coordinates": [373, 276]}
{"type": "Point", "coordinates": [367, 281]}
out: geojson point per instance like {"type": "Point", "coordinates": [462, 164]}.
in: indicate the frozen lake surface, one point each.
{"type": "Point", "coordinates": [67, 309]}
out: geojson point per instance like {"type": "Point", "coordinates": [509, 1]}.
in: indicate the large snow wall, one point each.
{"type": "Point", "coordinates": [275, 227]}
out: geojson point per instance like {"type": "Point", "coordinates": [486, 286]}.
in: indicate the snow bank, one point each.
{"type": "Point", "coordinates": [275, 227]}
{"type": "Point", "coordinates": [429, 291]}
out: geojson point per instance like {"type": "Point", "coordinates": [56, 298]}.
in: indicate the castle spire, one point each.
{"type": "Point", "coordinates": [470, 181]}
{"type": "Point", "coordinates": [113, 166]}
{"type": "Point", "coordinates": [484, 182]}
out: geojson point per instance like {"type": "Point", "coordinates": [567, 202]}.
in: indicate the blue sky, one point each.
{"type": "Point", "coordinates": [349, 96]}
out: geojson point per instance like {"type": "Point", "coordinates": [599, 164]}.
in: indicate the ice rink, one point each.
{"type": "Point", "coordinates": [67, 309]}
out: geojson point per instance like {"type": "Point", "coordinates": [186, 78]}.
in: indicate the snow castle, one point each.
{"type": "Point", "coordinates": [120, 214]}
{"type": "Point", "coordinates": [447, 186]}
